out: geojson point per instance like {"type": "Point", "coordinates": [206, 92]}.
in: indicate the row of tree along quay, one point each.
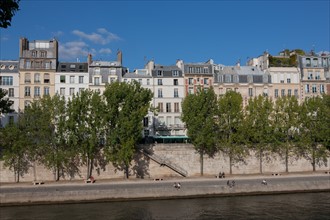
{"type": "Point", "coordinates": [222, 124]}
{"type": "Point", "coordinates": [89, 129]}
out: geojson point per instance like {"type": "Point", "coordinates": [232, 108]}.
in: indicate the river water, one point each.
{"type": "Point", "coordinates": [286, 206]}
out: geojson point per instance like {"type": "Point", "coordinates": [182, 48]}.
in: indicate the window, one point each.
{"type": "Point", "coordinates": [160, 107]}
{"type": "Point", "coordinates": [288, 80]}
{"type": "Point", "coordinates": [160, 82]}
{"type": "Point", "coordinates": [43, 54]}
{"type": "Point", "coordinates": [27, 64]}
{"type": "Point", "coordinates": [97, 71]}
{"type": "Point", "coordinates": [289, 92]}
{"type": "Point", "coordinates": [11, 92]}
{"type": "Point", "coordinates": [6, 80]}
{"type": "Point", "coordinates": [71, 91]}
{"type": "Point", "coordinates": [81, 79]}
{"type": "Point", "coordinates": [307, 88]}
{"type": "Point", "coordinates": [145, 121]}
{"type": "Point", "coordinates": [315, 62]}
{"type": "Point", "coordinates": [176, 107]}
{"type": "Point", "coordinates": [317, 75]}
{"type": "Point", "coordinates": [71, 79]}
{"type": "Point", "coordinates": [27, 78]}
{"type": "Point", "coordinates": [140, 81]}
{"type": "Point", "coordinates": [296, 92]}
{"type": "Point", "coordinates": [198, 70]}
{"type": "Point", "coordinates": [46, 90]}
{"type": "Point", "coordinates": [176, 93]}
{"type": "Point", "coordinates": [96, 81]}
{"type": "Point", "coordinates": [37, 78]}
{"type": "Point", "coordinates": [62, 91]}
{"type": "Point", "coordinates": [175, 73]}
{"type": "Point", "coordinates": [112, 79]}
{"type": "Point", "coordinates": [27, 103]}
{"type": "Point", "coordinates": [282, 81]}
{"type": "Point", "coordinates": [276, 93]}
{"type": "Point", "coordinates": [62, 79]}
{"type": "Point", "coordinates": [36, 91]}
{"type": "Point", "coordinates": [148, 81]}
{"type": "Point", "coordinates": [168, 107]}
{"type": "Point", "coordinates": [159, 73]}
{"type": "Point", "coordinates": [282, 92]}
{"type": "Point", "coordinates": [46, 78]}
{"type": "Point", "coordinates": [175, 82]}
{"type": "Point", "coordinates": [206, 70]}
{"type": "Point", "coordinates": [27, 91]}
{"type": "Point", "coordinates": [265, 93]}
{"type": "Point", "coordinates": [206, 81]}
{"type": "Point", "coordinates": [250, 92]}
{"type": "Point", "coordinates": [34, 53]}
{"type": "Point", "coordinates": [160, 93]}
{"type": "Point", "coordinates": [125, 80]}
{"type": "Point", "coordinates": [190, 90]}
{"type": "Point", "coordinates": [322, 88]}
{"type": "Point", "coordinates": [314, 90]}
{"type": "Point", "coordinates": [310, 75]}
{"type": "Point", "coordinates": [190, 81]}
{"type": "Point", "coordinates": [11, 120]}
{"type": "Point", "coordinates": [308, 62]}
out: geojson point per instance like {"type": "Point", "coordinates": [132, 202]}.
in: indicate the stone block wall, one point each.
{"type": "Point", "coordinates": [182, 155]}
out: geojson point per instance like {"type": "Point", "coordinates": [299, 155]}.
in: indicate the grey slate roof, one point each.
{"type": "Point", "coordinates": [9, 66]}
{"type": "Point", "coordinates": [167, 71]}
{"type": "Point", "coordinates": [72, 67]}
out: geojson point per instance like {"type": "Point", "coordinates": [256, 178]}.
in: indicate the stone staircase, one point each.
{"type": "Point", "coordinates": [165, 162]}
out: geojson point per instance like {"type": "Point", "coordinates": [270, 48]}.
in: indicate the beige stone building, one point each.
{"type": "Point", "coordinates": [285, 81]}
{"type": "Point", "coordinates": [313, 78]}
{"type": "Point", "coordinates": [250, 81]}
{"type": "Point", "coordinates": [37, 66]}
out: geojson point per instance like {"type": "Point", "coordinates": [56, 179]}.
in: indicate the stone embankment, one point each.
{"type": "Point", "coordinates": [54, 193]}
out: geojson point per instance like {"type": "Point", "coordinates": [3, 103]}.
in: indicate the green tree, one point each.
{"type": "Point", "coordinates": [198, 113]}
{"type": "Point", "coordinates": [126, 106]}
{"type": "Point", "coordinates": [14, 151]}
{"type": "Point", "coordinates": [8, 8]}
{"type": "Point", "coordinates": [85, 125]}
{"type": "Point", "coordinates": [314, 130]}
{"type": "Point", "coordinates": [5, 103]}
{"type": "Point", "coordinates": [258, 125]}
{"type": "Point", "coordinates": [286, 122]}
{"type": "Point", "coordinates": [230, 118]}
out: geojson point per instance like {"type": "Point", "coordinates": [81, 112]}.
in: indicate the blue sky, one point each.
{"type": "Point", "coordinates": [195, 31]}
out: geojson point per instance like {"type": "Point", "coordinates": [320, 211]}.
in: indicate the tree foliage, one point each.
{"type": "Point", "coordinates": [198, 113]}
{"type": "Point", "coordinates": [8, 8]}
{"type": "Point", "coordinates": [230, 121]}
{"type": "Point", "coordinates": [258, 125]}
{"type": "Point", "coordinates": [126, 106]}
{"type": "Point", "coordinates": [5, 103]}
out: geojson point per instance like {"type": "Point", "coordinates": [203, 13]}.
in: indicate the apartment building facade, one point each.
{"type": "Point", "coordinates": [71, 78]}
{"type": "Point", "coordinates": [285, 81]}
{"type": "Point", "coordinates": [250, 81]}
{"type": "Point", "coordinates": [313, 70]}
{"type": "Point", "coordinates": [9, 81]}
{"type": "Point", "coordinates": [37, 66]}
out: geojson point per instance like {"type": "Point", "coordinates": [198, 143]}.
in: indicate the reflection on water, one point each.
{"type": "Point", "coordinates": [289, 206]}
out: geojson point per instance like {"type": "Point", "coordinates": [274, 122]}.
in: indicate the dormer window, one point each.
{"type": "Point", "coordinates": [159, 72]}
{"type": "Point", "coordinates": [175, 73]}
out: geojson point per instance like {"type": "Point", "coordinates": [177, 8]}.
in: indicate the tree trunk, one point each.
{"type": "Point", "coordinates": [230, 164]}
{"type": "Point", "coordinates": [126, 171]}
{"type": "Point", "coordinates": [202, 162]}
{"type": "Point", "coordinates": [34, 171]}
{"type": "Point", "coordinates": [88, 174]}
{"type": "Point", "coordinates": [260, 159]}
{"type": "Point", "coordinates": [286, 160]}
{"type": "Point", "coordinates": [313, 159]}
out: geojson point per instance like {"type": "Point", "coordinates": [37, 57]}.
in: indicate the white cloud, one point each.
{"type": "Point", "coordinates": [74, 49]}
{"type": "Point", "coordinates": [101, 37]}
{"type": "Point", "coordinates": [105, 50]}
{"type": "Point", "coordinates": [4, 38]}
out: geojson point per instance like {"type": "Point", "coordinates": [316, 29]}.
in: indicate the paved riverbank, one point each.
{"type": "Point", "coordinates": [118, 190]}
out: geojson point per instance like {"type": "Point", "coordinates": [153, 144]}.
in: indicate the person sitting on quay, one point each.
{"type": "Point", "coordinates": [177, 185]}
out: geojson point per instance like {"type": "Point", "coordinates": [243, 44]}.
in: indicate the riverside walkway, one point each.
{"type": "Point", "coordinates": [145, 189]}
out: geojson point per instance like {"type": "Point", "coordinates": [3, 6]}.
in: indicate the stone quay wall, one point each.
{"type": "Point", "coordinates": [178, 155]}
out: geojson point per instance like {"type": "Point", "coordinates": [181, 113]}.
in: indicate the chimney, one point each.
{"type": "Point", "coordinates": [89, 59]}
{"type": "Point", "coordinates": [120, 57]}
{"type": "Point", "coordinates": [23, 45]}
